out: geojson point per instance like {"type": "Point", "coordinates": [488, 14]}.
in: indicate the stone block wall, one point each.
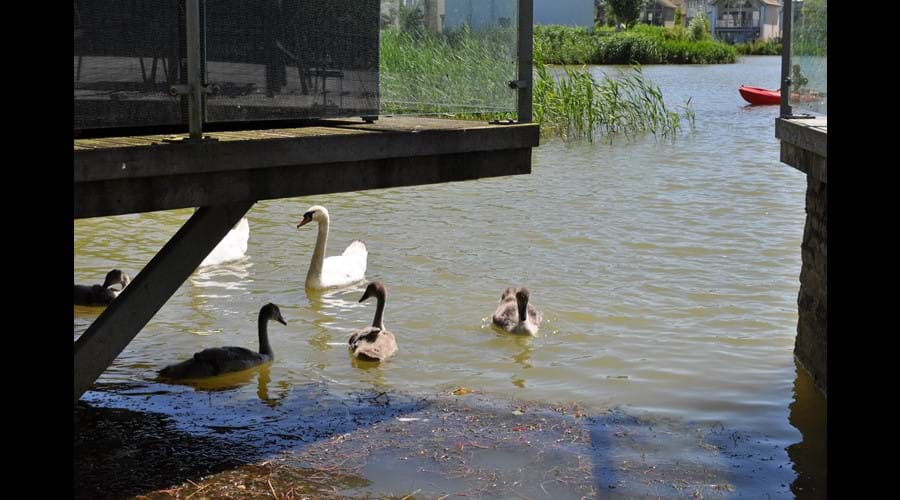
{"type": "Point", "coordinates": [811, 345]}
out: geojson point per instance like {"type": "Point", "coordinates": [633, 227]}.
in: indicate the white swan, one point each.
{"type": "Point", "coordinates": [232, 247]}
{"type": "Point", "coordinates": [218, 360]}
{"type": "Point", "coordinates": [374, 343]}
{"type": "Point", "coordinates": [337, 271]}
{"type": "Point", "coordinates": [515, 314]}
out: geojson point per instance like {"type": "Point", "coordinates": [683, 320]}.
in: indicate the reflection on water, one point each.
{"type": "Point", "coordinates": [327, 308]}
{"type": "Point", "coordinates": [809, 455]}
{"type": "Point", "coordinates": [232, 276]}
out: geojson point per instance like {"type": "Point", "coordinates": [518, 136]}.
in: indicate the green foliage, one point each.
{"type": "Point", "coordinates": [574, 105]}
{"type": "Point", "coordinates": [698, 28]}
{"type": "Point", "coordinates": [810, 30]}
{"type": "Point", "coordinates": [432, 73]}
{"type": "Point", "coordinates": [463, 74]}
{"type": "Point", "coordinates": [679, 17]}
{"type": "Point", "coordinates": [563, 44]}
{"type": "Point", "coordinates": [626, 11]}
{"type": "Point", "coordinates": [759, 48]}
{"type": "Point", "coordinates": [412, 18]}
{"type": "Point", "coordinates": [643, 44]}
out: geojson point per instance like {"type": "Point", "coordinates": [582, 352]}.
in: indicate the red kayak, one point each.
{"type": "Point", "coordinates": [756, 95]}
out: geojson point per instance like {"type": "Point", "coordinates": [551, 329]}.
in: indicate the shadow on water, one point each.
{"type": "Point", "coordinates": [808, 410]}
{"type": "Point", "coordinates": [317, 440]}
{"type": "Point", "coordinates": [648, 457]}
{"type": "Point", "coordinates": [132, 439]}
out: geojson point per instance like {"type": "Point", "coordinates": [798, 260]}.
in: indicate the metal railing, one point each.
{"type": "Point", "coordinates": [213, 66]}
{"type": "Point", "coordinates": [804, 63]}
{"type": "Point", "coordinates": [730, 23]}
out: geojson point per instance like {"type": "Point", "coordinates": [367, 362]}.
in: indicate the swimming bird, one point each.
{"type": "Point", "coordinates": [232, 247]}
{"type": "Point", "coordinates": [101, 295]}
{"type": "Point", "coordinates": [374, 343]}
{"type": "Point", "coordinates": [219, 360]}
{"type": "Point", "coordinates": [515, 314]}
{"type": "Point", "coordinates": [337, 271]}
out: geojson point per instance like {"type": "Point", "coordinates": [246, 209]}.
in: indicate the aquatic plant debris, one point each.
{"type": "Point", "coordinates": [357, 444]}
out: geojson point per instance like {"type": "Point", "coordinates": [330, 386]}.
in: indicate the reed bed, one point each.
{"type": "Point", "coordinates": [456, 73]}
{"type": "Point", "coordinates": [464, 74]}
{"type": "Point", "coordinates": [639, 45]}
{"type": "Point", "coordinates": [575, 105]}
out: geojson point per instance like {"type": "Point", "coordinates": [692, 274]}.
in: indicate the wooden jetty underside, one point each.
{"type": "Point", "coordinates": [225, 176]}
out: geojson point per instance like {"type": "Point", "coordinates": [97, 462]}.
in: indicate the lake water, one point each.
{"type": "Point", "coordinates": [667, 272]}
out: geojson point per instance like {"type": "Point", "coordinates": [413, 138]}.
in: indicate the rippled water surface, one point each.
{"type": "Point", "coordinates": [667, 273]}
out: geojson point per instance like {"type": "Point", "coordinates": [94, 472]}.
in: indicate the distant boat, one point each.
{"type": "Point", "coordinates": [756, 95]}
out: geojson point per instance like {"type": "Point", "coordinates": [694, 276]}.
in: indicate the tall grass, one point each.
{"type": "Point", "coordinates": [641, 45]}
{"type": "Point", "coordinates": [464, 74]}
{"type": "Point", "coordinates": [457, 72]}
{"type": "Point", "coordinates": [759, 48]}
{"type": "Point", "coordinates": [575, 105]}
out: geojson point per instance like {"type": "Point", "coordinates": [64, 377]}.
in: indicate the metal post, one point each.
{"type": "Point", "coordinates": [786, 21]}
{"type": "Point", "coordinates": [194, 80]}
{"type": "Point", "coordinates": [525, 56]}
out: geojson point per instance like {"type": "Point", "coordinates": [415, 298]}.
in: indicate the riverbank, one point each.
{"type": "Point", "coordinates": [390, 445]}
{"type": "Point", "coordinates": [639, 45]}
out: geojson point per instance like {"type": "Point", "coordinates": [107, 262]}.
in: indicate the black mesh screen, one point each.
{"type": "Point", "coordinates": [292, 58]}
{"type": "Point", "coordinates": [127, 55]}
{"type": "Point", "coordinates": [267, 60]}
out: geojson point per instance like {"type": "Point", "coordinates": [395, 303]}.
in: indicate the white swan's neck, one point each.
{"type": "Point", "coordinates": [318, 258]}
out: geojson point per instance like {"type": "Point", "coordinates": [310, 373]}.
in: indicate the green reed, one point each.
{"type": "Point", "coordinates": [465, 75]}
{"type": "Point", "coordinates": [452, 73]}
{"type": "Point", "coordinates": [640, 45]}
{"type": "Point", "coordinates": [575, 105]}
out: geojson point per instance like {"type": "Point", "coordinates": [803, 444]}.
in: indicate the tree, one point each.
{"type": "Point", "coordinates": [811, 33]}
{"type": "Point", "coordinates": [626, 12]}
{"type": "Point", "coordinates": [412, 19]}
{"type": "Point", "coordinates": [698, 28]}
{"type": "Point", "coordinates": [600, 12]}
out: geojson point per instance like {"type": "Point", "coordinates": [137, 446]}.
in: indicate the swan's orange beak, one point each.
{"type": "Point", "coordinates": [306, 220]}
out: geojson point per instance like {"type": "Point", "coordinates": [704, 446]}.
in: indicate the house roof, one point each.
{"type": "Point", "coordinates": [667, 3]}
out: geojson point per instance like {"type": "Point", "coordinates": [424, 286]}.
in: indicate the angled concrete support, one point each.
{"type": "Point", "coordinates": [96, 349]}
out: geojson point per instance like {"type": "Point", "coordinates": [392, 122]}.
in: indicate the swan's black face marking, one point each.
{"type": "Point", "coordinates": [307, 218]}
{"type": "Point", "coordinates": [372, 290]}
{"type": "Point", "coordinates": [115, 277]}
{"type": "Point", "coordinates": [274, 313]}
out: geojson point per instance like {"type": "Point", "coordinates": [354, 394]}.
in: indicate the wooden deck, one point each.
{"type": "Point", "coordinates": [226, 175]}
{"type": "Point", "coordinates": [804, 144]}
{"type": "Point", "coordinates": [122, 175]}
